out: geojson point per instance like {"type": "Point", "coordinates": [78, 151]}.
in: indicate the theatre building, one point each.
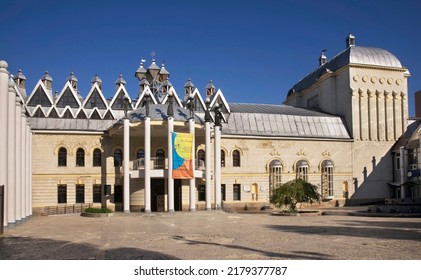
{"type": "Point", "coordinates": [159, 149]}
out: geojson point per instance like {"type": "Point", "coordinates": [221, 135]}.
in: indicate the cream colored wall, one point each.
{"type": "Point", "coordinates": [47, 174]}
{"type": "Point", "coordinates": [256, 154]}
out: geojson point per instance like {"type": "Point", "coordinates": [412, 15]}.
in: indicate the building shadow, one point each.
{"type": "Point", "coordinates": [298, 255]}
{"type": "Point", "coordinates": [25, 248]}
{"type": "Point", "coordinates": [355, 229]}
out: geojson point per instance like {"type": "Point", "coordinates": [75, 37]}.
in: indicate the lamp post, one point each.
{"type": "Point", "coordinates": [147, 140]}
{"type": "Point", "coordinates": [126, 156]}
{"type": "Point", "coordinates": [217, 151]}
{"type": "Point", "coordinates": [208, 120]}
{"type": "Point", "coordinates": [170, 114]}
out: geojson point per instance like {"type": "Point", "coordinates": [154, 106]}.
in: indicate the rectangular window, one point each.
{"type": "Point", "coordinates": [223, 192]}
{"type": "Point", "coordinates": [62, 194]}
{"type": "Point", "coordinates": [80, 193]}
{"type": "Point", "coordinates": [202, 193]}
{"type": "Point", "coordinates": [236, 192]}
{"type": "Point", "coordinates": [398, 161]}
{"type": "Point", "coordinates": [118, 194]}
{"type": "Point", "coordinates": [96, 194]}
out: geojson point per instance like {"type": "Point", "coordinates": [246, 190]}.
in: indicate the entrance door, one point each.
{"type": "Point", "coordinates": [157, 192]}
{"type": "Point", "coordinates": [178, 204]}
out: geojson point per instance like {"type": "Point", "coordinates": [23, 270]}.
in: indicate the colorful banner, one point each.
{"type": "Point", "coordinates": [182, 155]}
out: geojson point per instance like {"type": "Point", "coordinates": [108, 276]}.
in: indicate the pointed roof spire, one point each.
{"type": "Point", "coordinates": [189, 83]}
{"type": "Point", "coordinates": [20, 75]}
{"type": "Point", "coordinates": [96, 79]}
{"type": "Point", "coordinates": [141, 71]}
{"type": "Point", "coordinates": [120, 80]}
{"type": "Point", "coordinates": [163, 71]}
{"type": "Point", "coordinates": [46, 77]}
{"type": "Point", "coordinates": [72, 77]}
{"type": "Point", "coordinates": [153, 69]}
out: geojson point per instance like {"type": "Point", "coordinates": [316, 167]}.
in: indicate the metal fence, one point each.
{"type": "Point", "coordinates": [1, 209]}
{"type": "Point", "coordinates": [66, 208]}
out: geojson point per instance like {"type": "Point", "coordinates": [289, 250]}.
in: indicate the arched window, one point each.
{"type": "Point", "coordinates": [160, 159]}
{"type": "Point", "coordinates": [118, 158]}
{"type": "Point", "coordinates": [96, 160]}
{"type": "Point", "coordinates": [80, 157]}
{"type": "Point", "coordinates": [275, 173]}
{"type": "Point", "coordinates": [201, 158]}
{"type": "Point", "coordinates": [140, 154]}
{"type": "Point", "coordinates": [302, 170]}
{"type": "Point", "coordinates": [222, 158]}
{"type": "Point", "coordinates": [236, 160]}
{"type": "Point", "coordinates": [327, 178]}
{"type": "Point", "coordinates": [62, 157]}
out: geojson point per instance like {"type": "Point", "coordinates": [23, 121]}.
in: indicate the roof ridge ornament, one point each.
{"type": "Point", "coordinates": [350, 40]}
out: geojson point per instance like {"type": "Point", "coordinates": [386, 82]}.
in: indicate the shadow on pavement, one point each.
{"type": "Point", "coordinates": [299, 255]}
{"type": "Point", "coordinates": [24, 248]}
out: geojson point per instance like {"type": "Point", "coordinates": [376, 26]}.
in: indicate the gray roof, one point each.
{"type": "Point", "coordinates": [351, 55]}
{"type": "Point", "coordinates": [282, 121]}
{"type": "Point", "coordinates": [273, 109]}
{"type": "Point", "coordinates": [70, 124]}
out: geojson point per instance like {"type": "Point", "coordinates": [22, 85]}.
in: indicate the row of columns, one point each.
{"type": "Point", "coordinates": [381, 115]}
{"type": "Point", "coordinates": [15, 152]}
{"type": "Point", "coordinates": [170, 184]}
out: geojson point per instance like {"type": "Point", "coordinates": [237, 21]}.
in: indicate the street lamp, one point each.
{"type": "Point", "coordinates": [145, 102]}
{"type": "Point", "coordinates": [170, 109]}
{"type": "Point", "coordinates": [126, 103]}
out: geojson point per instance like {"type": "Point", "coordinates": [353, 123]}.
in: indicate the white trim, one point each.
{"type": "Point", "coordinates": [284, 138]}
{"type": "Point", "coordinates": [147, 89]}
{"type": "Point", "coordinates": [40, 84]}
{"type": "Point", "coordinates": [215, 97]}
{"type": "Point", "coordinates": [64, 111]}
{"type": "Point", "coordinates": [117, 92]}
{"type": "Point", "coordinates": [72, 90]}
{"type": "Point", "coordinates": [177, 99]}
{"type": "Point", "coordinates": [39, 131]}
{"type": "Point", "coordinates": [99, 113]}
{"type": "Point", "coordinates": [95, 86]}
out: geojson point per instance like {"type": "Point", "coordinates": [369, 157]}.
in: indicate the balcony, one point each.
{"type": "Point", "coordinates": [159, 168]}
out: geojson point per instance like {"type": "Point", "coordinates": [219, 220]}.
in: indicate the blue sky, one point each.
{"type": "Point", "coordinates": [254, 51]}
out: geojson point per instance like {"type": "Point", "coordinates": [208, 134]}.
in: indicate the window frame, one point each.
{"type": "Point", "coordinates": [96, 157]}
{"type": "Point", "coordinates": [62, 157]}
{"type": "Point", "coordinates": [80, 157]}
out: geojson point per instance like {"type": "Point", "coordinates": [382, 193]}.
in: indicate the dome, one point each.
{"type": "Point", "coordinates": [352, 55]}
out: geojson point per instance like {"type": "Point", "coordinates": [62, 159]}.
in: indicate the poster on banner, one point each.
{"type": "Point", "coordinates": [182, 155]}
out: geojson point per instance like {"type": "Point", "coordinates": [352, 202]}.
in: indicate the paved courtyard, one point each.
{"type": "Point", "coordinates": [213, 235]}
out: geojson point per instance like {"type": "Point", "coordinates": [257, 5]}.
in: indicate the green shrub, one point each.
{"type": "Point", "coordinates": [97, 210]}
{"type": "Point", "coordinates": [293, 192]}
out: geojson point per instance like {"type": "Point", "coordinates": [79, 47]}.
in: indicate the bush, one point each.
{"type": "Point", "coordinates": [97, 210]}
{"type": "Point", "coordinates": [293, 192]}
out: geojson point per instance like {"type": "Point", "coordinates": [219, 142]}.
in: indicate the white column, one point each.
{"type": "Point", "coordinates": [18, 163]}
{"type": "Point", "coordinates": [372, 116]}
{"type": "Point", "coordinates": [30, 173]}
{"type": "Point", "coordinates": [11, 158]}
{"type": "Point", "coordinates": [208, 165]}
{"type": "Point", "coordinates": [193, 180]}
{"type": "Point", "coordinates": [217, 167]}
{"type": "Point", "coordinates": [363, 115]}
{"type": "Point", "coordinates": [126, 161]}
{"type": "Point", "coordinates": [4, 88]}
{"type": "Point", "coordinates": [389, 115]}
{"type": "Point", "coordinates": [22, 163]}
{"type": "Point", "coordinates": [404, 109]}
{"type": "Point", "coordinates": [355, 114]}
{"type": "Point", "coordinates": [397, 115]}
{"type": "Point", "coordinates": [380, 116]}
{"type": "Point", "coordinates": [147, 164]}
{"type": "Point", "coordinates": [403, 170]}
{"type": "Point", "coordinates": [170, 167]}
{"type": "Point", "coordinates": [28, 164]}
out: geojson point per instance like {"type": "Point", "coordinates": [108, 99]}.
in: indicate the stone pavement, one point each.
{"type": "Point", "coordinates": [213, 235]}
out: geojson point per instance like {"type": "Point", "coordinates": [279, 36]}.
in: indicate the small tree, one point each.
{"type": "Point", "coordinates": [293, 192]}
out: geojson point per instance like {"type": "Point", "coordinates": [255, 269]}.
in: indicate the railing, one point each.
{"type": "Point", "coordinates": [66, 209]}
{"type": "Point", "coordinates": [161, 163]}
